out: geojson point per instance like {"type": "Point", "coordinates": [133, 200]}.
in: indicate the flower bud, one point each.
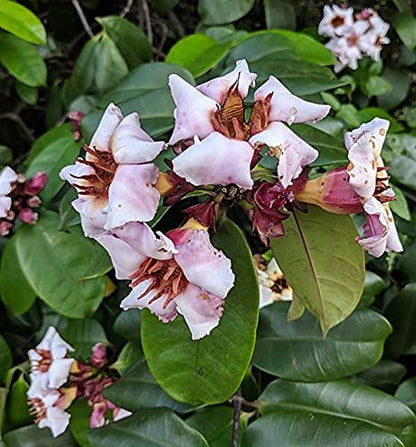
{"type": "Point", "coordinates": [27, 215]}
{"type": "Point", "coordinates": [332, 192]}
{"type": "Point", "coordinates": [37, 183]}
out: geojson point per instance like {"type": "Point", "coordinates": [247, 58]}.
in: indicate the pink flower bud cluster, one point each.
{"type": "Point", "coordinates": [19, 198]}
{"type": "Point", "coordinates": [353, 36]}
{"type": "Point", "coordinates": [57, 380]}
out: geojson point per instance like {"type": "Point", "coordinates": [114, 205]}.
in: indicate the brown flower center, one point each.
{"type": "Point", "coordinates": [382, 185]}
{"type": "Point", "coordinates": [44, 363]}
{"type": "Point", "coordinates": [337, 21]}
{"type": "Point", "coordinates": [37, 408]}
{"type": "Point", "coordinates": [167, 279]}
{"type": "Point", "coordinates": [104, 167]}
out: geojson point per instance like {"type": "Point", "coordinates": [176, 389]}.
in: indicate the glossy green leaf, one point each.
{"type": "Point", "coordinates": [337, 414]}
{"type": "Point", "coordinates": [373, 285]}
{"type": "Point", "coordinates": [405, 25]}
{"type": "Point", "coordinates": [26, 93]}
{"type": "Point", "coordinates": [127, 325]}
{"type": "Point", "coordinates": [218, 12]}
{"type": "Point", "coordinates": [367, 114]}
{"type": "Point", "coordinates": [400, 81]}
{"type": "Point", "coordinates": [400, 206]}
{"type": "Point", "coordinates": [51, 158]}
{"type": "Point", "coordinates": [17, 408]}
{"type": "Point", "coordinates": [280, 14]}
{"type": "Point", "coordinates": [401, 312]}
{"type": "Point", "coordinates": [16, 292]}
{"type": "Point", "coordinates": [148, 428]}
{"type": "Point", "coordinates": [129, 38]}
{"type": "Point", "coordinates": [33, 436]}
{"type": "Point", "coordinates": [145, 90]}
{"type": "Point", "coordinates": [21, 22]}
{"type": "Point", "coordinates": [22, 61]}
{"type": "Point", "coordinates": [197, 53]}
{"type": "Point", "coordinates": [6, 155]}
{"type": "Point", "coordinates": [386, 375]}
{"type": "Point", "coordinates": [331, 149]}
{"type": "Point", "coordinates": [137, 389]}
{"type": "Point", "coordinates": [67, 213]}
{"type": "Point", "coordinates": [215, 423]}
{"type": "Point", "coordinates": [63, 268]}
{"type": "Point", "coordinates": [129, 355]}
{"type": "Point", "coordinates": [296, 350]}
{"type": "Point", "coordinates": [208, 370]}
{"type": "Point", "coordinates": [79, 424]}
{"type": "Point", "coordinates": [83, 335]}
{"type": "Point", "coordinates": [5, 358]}
{"type": "Point", "coordinates": [407, 393]}
{"type": "Point", "coordinates": [323, 263]}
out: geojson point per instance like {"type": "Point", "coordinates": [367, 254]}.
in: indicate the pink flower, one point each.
{"type": "Point", "coordinates": [178, 273]}
{"type": "Point", "coordinates": [360, 186]}
{"type": "Point", "coordinates": [116, 181]}
{"type": "Point", "coordinates": [212, 115]}
{"type": "Point", "coordinates": [98, 355]}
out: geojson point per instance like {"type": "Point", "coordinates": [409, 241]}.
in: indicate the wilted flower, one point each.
{"type": "Point", "coordinates": [178, 273]}
{"type": "Point", "coordinates": [116, 181]}
{"type": "Point", "coordinates": [272, 283]}
{"type": "Point", "coordinates": [212, 115]}
{"type": "Point", "coordinates": [49, 361]}
{"type": "Point", "coordinates": [360, 186]}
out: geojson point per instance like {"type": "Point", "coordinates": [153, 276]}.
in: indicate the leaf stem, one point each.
{"type": "Point", "coordinates": [237, 402]}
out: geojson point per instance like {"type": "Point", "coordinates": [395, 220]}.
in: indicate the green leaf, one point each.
{"type": "Point", "coordinates": [22, 61]}
{"type": "Point", "coordinates": [280, 14]}
{"type": "Point", "coordinates": [331, 149]}
{"type": "Point", "coordinates": [405, 25]}
{"type": "Point", "coordinates": [21, 22]}
{"type": "Point", "coordinates": [400, 206]}
{"type": "Point", "coordinates": [6, 155]}
{"type": "Point", "coordinates": [373, 285]}
{"type": "Point", "coordinates": [218, 12]}
{"type": "Point", "coordinates": [127, 325]}
{"type": "Point", "coordinates": [68, 215]}
{"type": "Point", "coordinates": [400, 81]}
{"type": "Point", "coordinates": [129, 355]}
{"type": "Point", "coordinates": [63, 268]}
{"type": "Point", "coordinates": [83, 335]}
{"type": "Point", "coordinates": [377, 86]}
{"type": "Point", "coordinates": [211, 369]}
{"type": "Point", "coordinates": [26, 93]}
{"type": "Point", "coordinates": [17, 408]}
{"type": "Point", "coordinates": [386, 375]}
{"type": "Point", "coordinates": [215, 423]}
{"type": "Point", "coordinates": [145, 90]}
{"type": "Point", "coordinates": [111, 66]}
{"type": "Point", "coordinates": [129, 38]}
{"type": "Point", "coordinates": [296, 350]}
{"type": "Point", "coordinates": [33, 436]}
{"type": "Point", "coordinates": [51, 158]}
{"type": "Point", "coordinates": [323, 263]}
{"type": "Point", "coordinates": [339, 413]}
{"type": "Point", "coordinates": [16, 292]}
{"type": "Point", "coordinates": [401, 312]}
{"type": "Point", "coordinates": [137, 390]}
{"type": "Point", "coordinates": [156, 427]}
{"type": "Point", "coordinates": [79, 424]}
{"type": "Point", "coordinates": [6, 358]}
{"type": "Point", "coordinates": [197, 53]}
{"type": "Point", "coordinates": [403, 169]}
{"type": "Point", "coordinates": [367, 114]}
{"type": "Point", "coordinates": [407, 393]}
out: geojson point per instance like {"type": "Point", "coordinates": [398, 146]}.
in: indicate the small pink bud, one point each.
{"type": "Point", "coordinates": [332, 192]}
{"type": "Point", "coordinates": [97, 418]}
{"type": "Point", "coordinates": [33, 202]}
{"type": "Point", "coordinates": [99, 355]}
{"type": "Point", "coordinates": [37, 183]}
{"type": "Point", "coordinates": [28, 216]}
{"type": "Point", "coordinates": [5, 227]}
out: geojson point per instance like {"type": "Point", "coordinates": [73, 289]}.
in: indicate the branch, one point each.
{"type": "Point", "coordinates": [237, 402]}
{"type": "Point", "coordinates": [177, 24]}
{"type": "Point", "coordinates": [127, 8]}
{"type": "Point", "coordinates": [146, 12]}
{"type": "Point", "coordinates": [18, 120]}
{"type": "Point", "coordinates": [82, 17]}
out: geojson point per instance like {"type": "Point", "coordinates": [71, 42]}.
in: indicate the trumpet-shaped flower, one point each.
{"type": "Point", "coordinates": [116, 181]}
{"type": "Point", "coordinates": [178, 273]}
{"type": "Point", "coordinates": [335, 21]}
{"type": "Point", "coordinates": [220, 144]}
{"type": "Point", "coordinates": [49, 361]}
{"type": "Point", "coordinates": [360, 186]}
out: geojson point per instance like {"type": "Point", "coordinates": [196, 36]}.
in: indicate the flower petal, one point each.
{"type": "Point", "coordinates": [335, 21]}
{"type": "Point", "coordinates": [204, 265]}
{"type": "Point", "coordinates": [144, 241]}
{"type": "Point", "coordinates": [131, 144]}
{"type": "Point", "coordinates": [53, 342]}
{"type": "Point", "coordinates": [93, 214]}
{"type": "Point", "coordinates": [59, 372]}
{"type": "Point", "coordinates": [193, 111]}
{"type": "Point", "coordinates": [216, 160]}
{"type": "Point", "coordinates": [57, 420]}
{"type": "Point", "coordinates": [287, 107]}
{"type": "Point", "coordinates": [5, 205]}
{"type": "Point", "coordinates": [201, 310]}
{"type": "Point", "coordinates": [133, 301]}
{"type": "Point", "coordinates": [132, 196]}
{"type": "Point", "coordinates": [7, 177]}
{"type": "Point", "coordinates": [108, 124]}
{"type": "Point", "coordinates": [292, 151]}
{"type": "Point", "coordinates": [377, 127]}
{"type": "Point", "coordinates": [125, 259]}
{"type": "Point", "coordinates": [72, 173]}
{"type": "Point", "coordinates": [217, 88]}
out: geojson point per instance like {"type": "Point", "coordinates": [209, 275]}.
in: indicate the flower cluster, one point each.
{"type": "Point", "coordinates": [353, 36]}
{"type": "Point", "coordinates": [19, 198]}
{"type": "Point", "coordinates": [57, 380]}
{"type": "Point", "coordinates": [361, 186]}
{"type": "Point", "coordinates": [217, 153]}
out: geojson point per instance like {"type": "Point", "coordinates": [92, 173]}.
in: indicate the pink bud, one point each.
{"type": "Point", "coordinates": [28, 216]}
{"type": "Point", "coordinates": [332, 192]}
{"type": "Point", "coordinates": [97, 418]}
{"type": "Point", "coordinates": [33, 202]}
{"type": "Point", "coordinates": [99, 355]}
{"type": "Point", "coordinates": [36, 184]}
{"type": "Point", "coordinates": [5, 227]}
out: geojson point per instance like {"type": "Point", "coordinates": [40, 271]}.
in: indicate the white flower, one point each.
{"type": "Point", "coordinates": [7, 178]}
{"type": "Point", "coordinates": [335, 21]}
